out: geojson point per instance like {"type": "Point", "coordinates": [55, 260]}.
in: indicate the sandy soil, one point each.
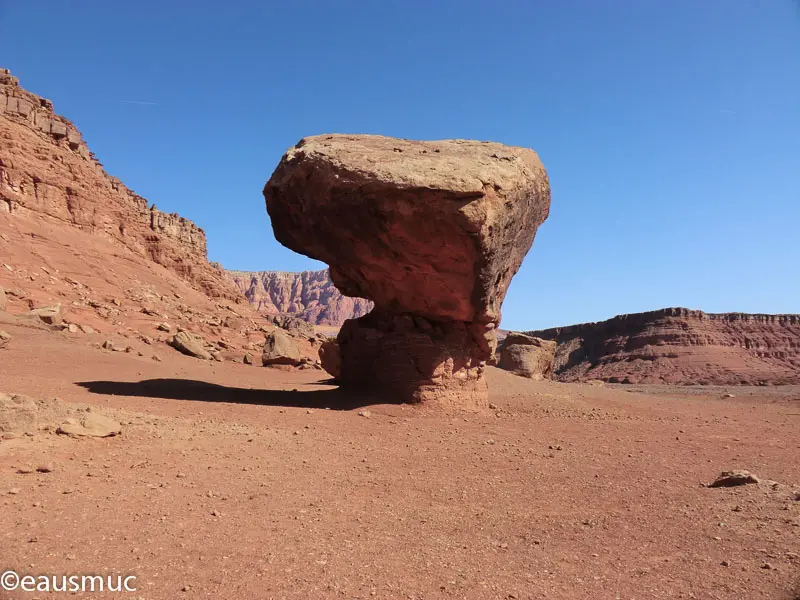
{"type": "Point", "coordinates": [231, 481]}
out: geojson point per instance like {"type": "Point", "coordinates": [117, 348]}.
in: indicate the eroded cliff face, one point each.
{"type": "Point", "coordinates": [309, 295]}
{"type": "Point", "coordinates": [680, 346]}
{"type": "Point", "coordinates": [48, 172]}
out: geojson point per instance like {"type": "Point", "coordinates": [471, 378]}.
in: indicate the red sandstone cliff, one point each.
{"type": "Point", "coordinates": [680, 346]}
{"type": "Point", "coordinates": [309, 295]}
{"type": "Point", "coordinates": [48, 172]}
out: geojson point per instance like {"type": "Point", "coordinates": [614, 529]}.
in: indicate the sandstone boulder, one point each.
{"type": "Point", "coordinates": [292, 324]}
{"type": "Point", "coordinates": [191, 345]}
{"type": "Point", "coordinates": [733, 479]}
{"type": "Point", "coordinates": [90, 425]}
{"type": "Point", "coordinates": [431, 232]}
{"type": "Point", "coordinates": [48, 314]}
{"type": "Point", "coordinates": [17, 413]}
{"type": "Point", "coordinates": [527, 356]}
{"type": "Point", "coordinates": [330, 358]}
{"type": "Point", "coordinates": [280, 349]}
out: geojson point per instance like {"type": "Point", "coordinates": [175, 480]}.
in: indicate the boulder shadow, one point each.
{"type": "Point", "coordinates": [202, 391]}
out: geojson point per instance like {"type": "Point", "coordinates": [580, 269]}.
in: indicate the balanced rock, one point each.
{"type": "Point", "coordinates": [280, 349]}
{"type": "Point", "coordinates": [527, 356]}
{"type": "Point", "coordinates": [431, 232]}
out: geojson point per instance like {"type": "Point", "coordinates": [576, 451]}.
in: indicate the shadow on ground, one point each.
{"type": "Point", "coordinates": [201, 391]}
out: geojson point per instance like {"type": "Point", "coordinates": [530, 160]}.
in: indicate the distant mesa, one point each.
{"type": "Point", "coordinates": [680, 346]}
{"type": "Point", "coordinates": [431, 232]}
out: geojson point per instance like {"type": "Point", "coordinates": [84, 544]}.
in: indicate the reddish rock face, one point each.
{"type": "Point", "coordinates": [48, 172]}
{"type": "Point", "coordinates": [309, 295]}
{"type": "Point", "coordinates": [431, 232]}
{"type": "Point", "coordinates": [680, 346]}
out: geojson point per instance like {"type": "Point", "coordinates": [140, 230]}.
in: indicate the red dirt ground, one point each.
{"type": "Point", "coordinates": [228, 483]}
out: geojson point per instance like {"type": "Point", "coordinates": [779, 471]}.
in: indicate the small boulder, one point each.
{"type": "Point", "coordinates": [90, 425]}
{"type": "Point", "coordinates": [2, 299]}
{"type": "Point", "coordinates": [164, 327]}
{"type": "Point", "coordinates": [5, 339]}
{"type": "Point", "coordinates": [190, 345]}
{"type": "Point", "coordinates": [280, 349]}
{"type": "Point", "coordinates": [293, 325]}
{"type": "Point", "coordinates": [17, 413]}
{"type": "Point", "coordinates": [330, 358]}
{"type": "Point", "coordinates": [48, 314]}
{"type": "Point", "coordinates": [733, 478]}
{"type": "Point", "coordinates": [248, 359]}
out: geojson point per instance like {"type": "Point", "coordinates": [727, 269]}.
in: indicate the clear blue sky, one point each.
{"type": "Point", "coordinates": [670, 129]}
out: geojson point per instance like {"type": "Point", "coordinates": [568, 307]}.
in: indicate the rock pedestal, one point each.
{"type": "Point", "coordinates": [431, 232]}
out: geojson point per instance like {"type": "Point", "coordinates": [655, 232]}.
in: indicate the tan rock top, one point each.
{"type": "Point", "coordinates": [436, 228]}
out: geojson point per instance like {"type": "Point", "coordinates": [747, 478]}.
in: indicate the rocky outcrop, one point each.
{"type": "Point", "coordinates": [527, 356]}
{"type": "Point", "coordinates": [431, 232]}
{"type": "Point", "coordinates": [48, 171]}
{"type": "Point", "coordinates": [680, 346]}
{"type": "Point", "coordinates": [309, 295]}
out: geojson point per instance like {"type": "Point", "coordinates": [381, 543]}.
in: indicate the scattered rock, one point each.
{"type": "Point", "coordinates": [45, 468]}
{"type": "Point", "coordinates": [293, 325]}
{"type": "Point", "coordinates": [5, 339]}
{"type": "Point", "coordinates": [527, 356]}
{"type": "Point", "coordinates": [48, 314]}
{"type": "Point", "coordinates": [90, 425]}
{"type": "Point", "coordinates": [191, 345]}
{"type": "Point", "coordinates": [248, 359]}
{"type": "Point", "coordinates": [733, 478]}
{"type": "Point", "coordinates": [280, 349]}
{"type": "Point", "coordinates": [3, 300]}
{"type": "Point", "coordinates": [17, 413]}
{"type": "Point", "coordinates": [108, 345]}
{"type": "Point", "coordinates": [364, 413]}
{"type": "Point", "coordinates": [86, 329]}
{"type": "Point", "coordinates": [164, 327]}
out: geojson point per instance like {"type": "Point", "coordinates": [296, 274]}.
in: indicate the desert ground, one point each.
{"type": "Point", "coordinates": [231, 481]}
